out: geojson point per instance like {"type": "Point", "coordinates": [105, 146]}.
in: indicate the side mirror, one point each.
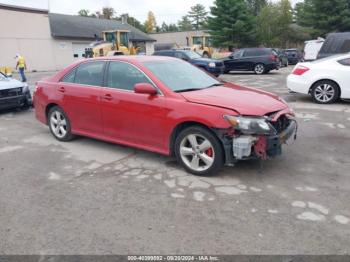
{"type": "Point", "coordinates": [145, 88]}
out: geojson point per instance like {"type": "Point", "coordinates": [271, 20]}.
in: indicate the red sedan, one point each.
{"type": "Point", "coordinates": [167, 106]}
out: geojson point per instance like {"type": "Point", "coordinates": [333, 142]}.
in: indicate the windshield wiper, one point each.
{"type": "Point", "coordinates": [213, 85]}
{"type": "Point", "coordinates": [187, 90]}
{"type": "Point", "coordinates": [194, 89]}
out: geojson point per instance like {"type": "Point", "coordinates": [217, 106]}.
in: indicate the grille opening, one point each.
{"type": "Point", "coordinates": [11, 92]}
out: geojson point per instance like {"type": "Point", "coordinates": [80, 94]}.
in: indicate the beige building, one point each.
{"type": "Point", "coordinates": [177, 38]}
{"type": "Point", "coordinates": [52, 41]}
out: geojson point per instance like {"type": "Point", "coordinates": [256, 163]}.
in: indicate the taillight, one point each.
{"type": "Point", "coordinates": [273, 58]}
{"type": "Point", "coordinates": [300, 70]}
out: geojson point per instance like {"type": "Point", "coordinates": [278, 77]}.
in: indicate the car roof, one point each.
{"type": "Point", "coordinates": [137, 59]}
{"type": "Point", "coordinates": [173, 50]}
{"type": "Point", "coordinates": [254, 48]}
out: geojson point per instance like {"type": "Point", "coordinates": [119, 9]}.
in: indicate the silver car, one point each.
{"type": "Point", "coordinates": [13, 93]}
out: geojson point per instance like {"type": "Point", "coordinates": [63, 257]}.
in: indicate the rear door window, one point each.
{"type": "Point", "coordinates": [345, 62]}
{"type": "Point", "coordinates": [250, 53]}
{"type": "Point", "coordinates": [90, 73]}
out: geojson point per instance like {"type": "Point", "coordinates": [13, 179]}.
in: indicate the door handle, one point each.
{"type": "Point", "coordinates": [61, 89]}
{"type": "Point", "coordinates": [108, 97]}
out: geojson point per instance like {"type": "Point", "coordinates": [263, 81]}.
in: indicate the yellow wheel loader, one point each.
{"type": "Point", "coordinates": [115, 42]}
{"type": "Point", "coordinates": [6, 70]}
{"type": "Point", "coordinates": [202, 44]}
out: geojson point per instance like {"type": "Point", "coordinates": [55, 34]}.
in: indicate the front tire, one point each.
{"type": "Point", "coordinates": [325, 92]}
{"type": "Point", "coordinates": [59, 124]}
{"type": "Point", "coordinates": [259, 69]}
{"type": "Point", "coordinates": [199, 151]}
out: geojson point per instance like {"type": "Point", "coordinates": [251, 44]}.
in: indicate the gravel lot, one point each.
{"type": "Point", "coordinates": [92, 197]}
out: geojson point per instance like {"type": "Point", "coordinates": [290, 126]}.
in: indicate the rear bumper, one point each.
{"type": "Point", "coordinates": [298, 84]}
{"type": "Point", "coordinates": [273, 66]}
{"type": "Point", "coordinates": [293, 61]}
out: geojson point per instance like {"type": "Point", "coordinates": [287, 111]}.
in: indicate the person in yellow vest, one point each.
{"type": "Point", "coordinates": [21, 65]}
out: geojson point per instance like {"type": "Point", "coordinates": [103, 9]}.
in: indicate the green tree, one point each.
{"type": "Point", "coordinates": [173, 28]}
{"type": "Point", "coordinates": [266, 26]}
{"type": "Point", "coordinates": [198, 16]}
{"type": "Point", "coordinates": [231, 23]}
{"type": "Point", "coordinates": [84, 12]}
{"type": "Point", "coordinates": [150, 23]}
{"type": "Point", "coordinates": [164, 27]}
{"type": "Point", "coordinates": [256, 5]}
{"type": "Point", "coordinates": [324, 16]}
{"type": "Point", "coordinates": [284, 21]}
{"type": "Point", "coordinates": [185, 24]}
{"type": "Point", "coordinates": [135, 23]}
{"type": "Point", "coordinates": [274, 24]}
{"type": "Point", "coordinates": [108, 12]}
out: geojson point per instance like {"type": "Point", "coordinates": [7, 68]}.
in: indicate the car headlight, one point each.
{"type": "Point", "coordinates": [25, 87]}
{"type": "Point", "coordinates": [250, 125]}
{"type": "Point", "coordinates": [211, 64]}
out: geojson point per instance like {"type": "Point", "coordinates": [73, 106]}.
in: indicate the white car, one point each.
{"type": "Point", "coordinates": [326, 80]}
{"type": "Point", "coordinates": [13, 93]}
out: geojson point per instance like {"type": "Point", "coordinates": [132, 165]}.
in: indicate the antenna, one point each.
{"type": "Point", "coordinates": [48, 5]}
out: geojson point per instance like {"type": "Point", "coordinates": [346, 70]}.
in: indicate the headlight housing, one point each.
{"type": "Point", "coordinates": [25, 87]}
{"type": "Point", "coordinates": [211, 64]}
{"type": "Point", "coordinates": [251, 125]}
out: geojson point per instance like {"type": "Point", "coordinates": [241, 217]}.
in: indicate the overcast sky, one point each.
{"type": "Point", "coordinates": [168, 11]}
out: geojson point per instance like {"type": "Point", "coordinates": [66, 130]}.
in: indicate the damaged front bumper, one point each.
{"type": "Point", "coordinates": [244, 147]}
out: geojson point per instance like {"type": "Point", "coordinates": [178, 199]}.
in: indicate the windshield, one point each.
{"type": "Point", "coordinates": [180, 76]}
{"type": "Point", "coordinates": [192, 55]}
{"type": "Point", "coordinates": [124, 38]}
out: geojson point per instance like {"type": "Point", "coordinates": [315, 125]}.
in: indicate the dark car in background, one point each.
{"type": "Point", "coordinates": [258, 60]}
{"type": "Point", "coordinates": [336, 43]}
{"type": "Point", "coordinates": [215, 67]}
{"type": "Point", "coordinates": [282, 57]}
{"type": "Point", "coordinates": [294, 56]}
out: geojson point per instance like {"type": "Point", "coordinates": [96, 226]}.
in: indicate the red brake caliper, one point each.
{"type": "Point", "coordinates": [209, 152]}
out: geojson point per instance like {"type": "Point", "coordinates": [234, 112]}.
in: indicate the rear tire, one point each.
{"type": "Point", "coordinates": [259, 69]}
{"type": "Point", "coordinates": [325, 92]}
{"type": "Point", "coordinates": [199, 151]}
{"type": "Point", "coordinates": [59, 124]}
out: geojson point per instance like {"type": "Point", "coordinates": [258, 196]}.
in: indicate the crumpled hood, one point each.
{"type": "Point", "coordinates": [10, 83]}
{"type": "Point", "coordinates": [243, 100]}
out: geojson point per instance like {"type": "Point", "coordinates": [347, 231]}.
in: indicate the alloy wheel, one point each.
{"type": "Point", "coordinates": [259, 69]}
{"type": "Point", "coordinates": [58, 124]}
{"type": "Point", "coordinates": [197, 152]}
{"type": "Point", "coordinates": [324, 93]}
